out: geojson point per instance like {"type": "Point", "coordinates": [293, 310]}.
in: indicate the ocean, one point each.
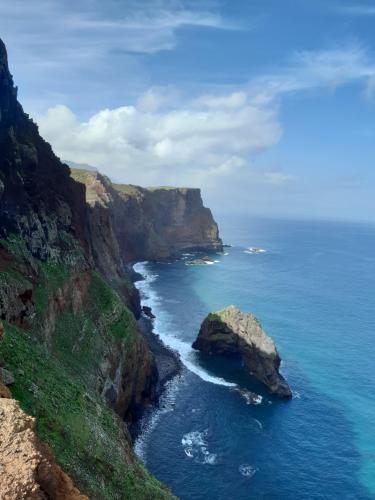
{"type": "Point", "coordinates": [313, 291]}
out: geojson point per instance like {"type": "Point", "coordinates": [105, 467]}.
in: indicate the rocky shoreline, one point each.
{"type": "Point", "coordinates": [167, 361]}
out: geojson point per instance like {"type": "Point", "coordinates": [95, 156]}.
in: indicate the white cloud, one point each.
{"type": "Point", "coordinates": [75, 48]}
{"type": "Point", "coordinates": [308, 70]}
{"type": "Point", "coordinates": [90, 28]}
{"type": "Point", "coordinates": [166, 139]}
{"type": "Point", "coordinates": [147, 145]}
{"type": "Point", "coordinates": [357, 10]}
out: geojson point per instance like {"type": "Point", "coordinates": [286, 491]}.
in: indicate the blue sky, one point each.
{"type": "Point", "coordinates": [267, 105]}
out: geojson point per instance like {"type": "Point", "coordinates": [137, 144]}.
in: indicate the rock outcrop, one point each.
{"type": "Point", "coordinates": [27, 466]}
{"type": "Point", "coordinates": [150, 223]}
{"type": "Point", "coordinates": [230, 332]}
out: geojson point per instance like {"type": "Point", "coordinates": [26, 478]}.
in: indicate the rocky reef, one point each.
{"type": "Point", "coordinates": [230, 332]}
{"type": "Point", "coordinates": [151, 223]}
{"type": "Point", "coordinates": [70, 345]}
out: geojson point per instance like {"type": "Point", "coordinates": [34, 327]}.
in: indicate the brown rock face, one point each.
{"type": "Point", "coordinates": [149, 224]}
{"type": "Point", "coordinates": [27, 466]}
{"type": "Point", "coordinates": [231, 332]}
{"type": "Point", "coordinates": [4, 391]}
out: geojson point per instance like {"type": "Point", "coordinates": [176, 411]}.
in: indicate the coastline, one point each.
{"type": "Point", "coordinates": [168, 361]}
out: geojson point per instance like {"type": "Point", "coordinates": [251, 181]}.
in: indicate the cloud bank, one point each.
{"type": "Point", "coordinates": [146, 144]}
{"type": "Point", "coordinates": [166, 139]}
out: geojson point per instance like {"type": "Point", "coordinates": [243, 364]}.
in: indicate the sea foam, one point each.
{"type": "Point", "coordinates": [152, 417]}
{"type": "Point", "coordinates": [163, 328]}
{"type": "Point", "coordinates": [195, 446]}
{"type": "Point", "coordinates": [247, 470]}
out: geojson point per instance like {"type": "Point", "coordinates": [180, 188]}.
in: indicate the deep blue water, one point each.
{"type": "Point", "coordinates": [313, 291]}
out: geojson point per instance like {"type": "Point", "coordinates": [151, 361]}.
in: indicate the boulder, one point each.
{"type": "Point", "coordinates": [230, 332]}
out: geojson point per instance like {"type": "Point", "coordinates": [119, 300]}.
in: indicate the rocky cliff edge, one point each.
{"type": "Point", "coordinates": [152, 223]}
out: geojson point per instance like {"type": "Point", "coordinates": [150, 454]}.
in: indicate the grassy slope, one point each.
{"type": "Point", "coordinates": [58, 387]}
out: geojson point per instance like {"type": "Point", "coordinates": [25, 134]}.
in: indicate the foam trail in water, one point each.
{"type": "Point", "coordinates": [151, 418]}
{"type": "Point", "coordinates": [247, 470]}
{"type": "Point", "coordinates": [196, 447]}
{"type": "Point", "coordinates": [150, 298]}
{"type": "Point", "coordinates": [259, 423]}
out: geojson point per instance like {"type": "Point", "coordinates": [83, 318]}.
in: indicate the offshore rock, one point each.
{"type": "Point", "coordinates": [230, 332]}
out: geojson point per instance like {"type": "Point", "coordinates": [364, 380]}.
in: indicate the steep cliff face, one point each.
{"type": "Point", "coordinates": [154, 223]}
{"type": "Point", "coordinates": [38, 199]}
{"type": "Point", "coordinates": [69, 339]}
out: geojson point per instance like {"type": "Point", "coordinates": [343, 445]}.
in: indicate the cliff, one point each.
{"type": "Point", "coordinates": [230, 332]}
{"type": "Point", "coordinates": [28, 469]}
{"type": "Point", "coordinates": [151, 223]}
{"type": "Point", "coordinates": [68, 337]}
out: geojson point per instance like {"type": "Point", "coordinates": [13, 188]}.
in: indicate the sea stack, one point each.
{"type": "Point", "coordinates": [230, 332]}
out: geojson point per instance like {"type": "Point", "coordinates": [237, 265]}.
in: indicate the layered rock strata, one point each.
{"type": "Point", "coordinates": [150, 223]}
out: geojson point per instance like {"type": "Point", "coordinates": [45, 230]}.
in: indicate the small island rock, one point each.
{"type": "Point", "coordinates": [230, 332]}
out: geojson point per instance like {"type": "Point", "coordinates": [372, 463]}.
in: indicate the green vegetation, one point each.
{"type": "Point", "coordinates": [56, 367]}
{"type": "Point", "coordinates": [11, 277]}
{"type": "Point", "coordinates": [80, 339]}
{"type": "Point", "coordinates": [53, 274]}
{"type": "Point", "coordinates": [138, 192]}
{"type": "Point", "coordinates": [84, 433]}
{"type": "Point", "coordinates": [129, 190]}
{"type": "Point", "coordinates": [15, 245]}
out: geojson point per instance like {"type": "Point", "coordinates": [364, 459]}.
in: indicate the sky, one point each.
{"type": "Point", "coordinates": [267, 105]}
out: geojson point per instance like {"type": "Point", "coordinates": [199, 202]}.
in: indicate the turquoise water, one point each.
{"type": "Point", "coordinates": [313, 291]}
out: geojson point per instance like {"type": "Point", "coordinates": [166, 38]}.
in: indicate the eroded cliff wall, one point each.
{"type": "Point", "coordinates": [66, 334]}
{"type": "Point", "coordinates": [151, 223]}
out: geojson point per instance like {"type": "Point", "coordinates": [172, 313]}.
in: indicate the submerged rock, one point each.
{"type": "Point", "coordinates": [200, 261]}
{"type": "Point", "coordinates": [230, 332]}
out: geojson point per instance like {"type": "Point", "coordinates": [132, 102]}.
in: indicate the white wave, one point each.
{"type": "Point", "coordinates": [210, 459]}
{"type": "Point", "coordinates": [187, 355]}
{"type": "Point", "coordinates": [259, 423]}
{"type": "Point", "coordinates": [255, 250]}
{"type": "Point", "coordinates": [163, 327]}
{"type": "Point", "coordinates": [251, 398]}
{"type": "Point", "coordinates": [194, 439]}
{"type": "Point", "coordinates": [149, 420]}
{"type": "Point", "coordinates": [195, 446]}
{"type": "Point", "coordinates": [247, 470]}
